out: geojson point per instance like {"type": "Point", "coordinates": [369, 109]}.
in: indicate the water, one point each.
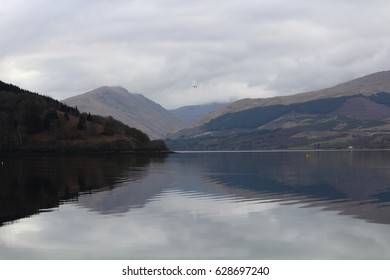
{"type": "Point", "coordinates": [239, 205]}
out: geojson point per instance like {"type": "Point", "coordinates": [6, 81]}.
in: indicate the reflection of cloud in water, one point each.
{"type": "Point", "coordinates": [181, 226]}
{"type": "Point", "coordinates": [350, 183]}
{"type": "Point", "coordinates": [353, 183]}
{"type": "Point", "coordinates": [206, 206]}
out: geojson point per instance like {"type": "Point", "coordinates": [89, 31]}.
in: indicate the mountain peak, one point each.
{"type": "Point", "coordinates": [134, 110]}
{"type": "Point", "coordinates": [109, 89]}
{"type": "Point", "coordinates": [31, 122]}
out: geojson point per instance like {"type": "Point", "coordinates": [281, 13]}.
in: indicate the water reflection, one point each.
{"type": "Point", "coordinates": [29, 185]}
{"type": "Point", "coordinates": [197, 206]}
{"type": "Point", "coordinates": [355, 183]}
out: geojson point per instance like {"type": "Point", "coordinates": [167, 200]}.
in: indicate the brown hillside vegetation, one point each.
{"type": "Point", "coordinates": [30, 122]}
{"type": "Point", "coordinates": [363, 109]}
{"type": "Point", "coordinates": [355, 113]}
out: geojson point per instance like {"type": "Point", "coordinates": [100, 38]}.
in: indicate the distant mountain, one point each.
{"type": "Point", "coordinates": [356, 113]}
{"type": "Point", "coordinates": [134, 110]}
{"type": "Point", "coordinates": [30, 122]}
{"type": "Point", "coordinates": [189, 114]}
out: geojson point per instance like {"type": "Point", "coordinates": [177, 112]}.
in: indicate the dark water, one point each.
{"type": "Point", "coordinates": [273, 205]}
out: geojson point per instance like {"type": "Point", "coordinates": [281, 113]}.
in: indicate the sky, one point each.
{"type": "Point", "coordinates": [229, 49]}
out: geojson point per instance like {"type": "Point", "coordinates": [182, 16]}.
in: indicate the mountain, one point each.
{"type": "Point", "coordinates": [30, 122]}
{"type": "Point", "coordinates": [189, 114]}
{"type": "Point", "coordinates": [355, 113]}
{"type": "Point", "coordinates": [135, 110]}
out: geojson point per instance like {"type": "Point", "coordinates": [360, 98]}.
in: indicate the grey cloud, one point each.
{"type": "Point", "coordinates": [234, 49]}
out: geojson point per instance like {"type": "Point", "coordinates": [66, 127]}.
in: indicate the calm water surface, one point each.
{"type": "Point", "coordinates": [240, 205]}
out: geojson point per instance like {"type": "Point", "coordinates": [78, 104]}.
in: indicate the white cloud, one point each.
{"type": "Point", "coordinates": [233, 49]}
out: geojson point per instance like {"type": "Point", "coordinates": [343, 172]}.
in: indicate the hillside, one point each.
{"type": "Point", "coordinates": [135, 110]}
{"type": "Point", "coordinates": [30, 122]}
{"type": "Point", "coordinates": [192, 113]}
{"type": "Point", "coordinates": [367, 85]}
{"type": "Point", "coordinates": [356, 113]}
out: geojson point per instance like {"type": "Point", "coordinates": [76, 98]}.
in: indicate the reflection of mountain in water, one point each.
{"type": "Point", "coordinates": [355, 183]}
{"type": "Point", "coordinates": [29, 185]}
{"type": "Point", "coordinates": [126, 195]}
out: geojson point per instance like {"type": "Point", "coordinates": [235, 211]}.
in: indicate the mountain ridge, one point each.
{"type": "Point", "coordinates": [132, 109]}
{"type": "Point", "coordinates": [30, 122]}
{"type": "Point", "coordinates": [366, 85]}
{"type": "Point", "coordinates": [355, 113]}
{"type": "Point", "coordinates": [192, 113]}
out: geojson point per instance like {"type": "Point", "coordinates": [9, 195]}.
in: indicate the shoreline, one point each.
{"type": "Point", "coordinates": [281, 150]}
{"type": "Point", "coordinates": [65, 153]}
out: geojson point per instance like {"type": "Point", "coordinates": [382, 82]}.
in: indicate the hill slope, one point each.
{"type": "Point", "coordinates": [367, 85]}
{"type": "Point", "coordinates": [135, 110]}
{"type": "Point", "coordinates": [30, 122]}
{"type": "Point", "coordinates": [356, 113]}
{"type": "Point", "coordinates": [189, 114]}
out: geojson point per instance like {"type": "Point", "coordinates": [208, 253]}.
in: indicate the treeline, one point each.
{"type": "Point", "coordinates": [27, 112]}
{"type": "Point", "coordinates": [32, 122]}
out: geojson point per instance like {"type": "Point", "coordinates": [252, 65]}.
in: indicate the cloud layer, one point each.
{"type": "Point", "coordinates": [229, 49]}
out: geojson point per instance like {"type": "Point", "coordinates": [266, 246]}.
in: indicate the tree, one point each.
{"type": "Point", "coordinates": [109, 126]}
{"type": "Point", "coordinates": [48, 118]}
{"type": "Point", "coordinates": [81, 123]}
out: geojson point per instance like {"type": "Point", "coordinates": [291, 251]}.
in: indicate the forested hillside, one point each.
{"type": "Point", "coordinates": [31, 122]}
{"type": "Point", "coordinates": [132, 109]}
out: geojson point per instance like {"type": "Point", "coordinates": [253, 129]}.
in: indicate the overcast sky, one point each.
{"type": "Point", "coordinates": [230, 49]}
